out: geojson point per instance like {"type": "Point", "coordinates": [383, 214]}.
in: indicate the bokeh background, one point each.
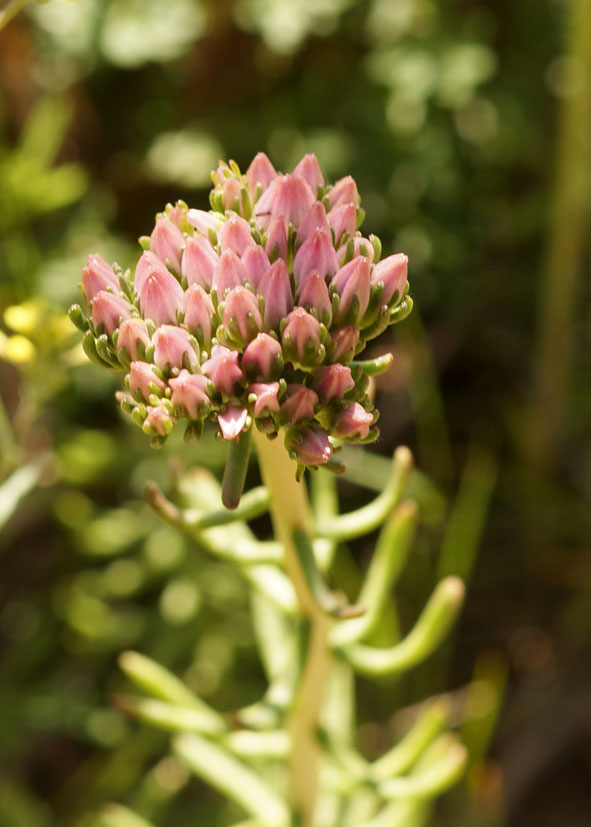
{"type": "Point", "coordinates": [467, 126]}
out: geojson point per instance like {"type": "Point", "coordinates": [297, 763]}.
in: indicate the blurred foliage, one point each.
{"type": "Point", "coordinates": [447, 115]}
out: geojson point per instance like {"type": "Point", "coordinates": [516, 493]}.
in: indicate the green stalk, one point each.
{"type": "Point", "coordinates": [290, 513]}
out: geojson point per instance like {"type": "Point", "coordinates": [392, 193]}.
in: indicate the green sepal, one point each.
{"type": "Point", "coordinates": [89, 347]}
{"type": "Point", "coordinates": [78, 318]}
{"type": "Point", "coordinates": [374, 367]}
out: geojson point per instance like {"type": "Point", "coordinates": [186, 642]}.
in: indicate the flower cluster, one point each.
{"type": "Point", "coordinates": [251, 312]}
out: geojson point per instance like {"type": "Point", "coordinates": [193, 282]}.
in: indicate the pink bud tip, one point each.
{"type": "Point", "coordinates": [333, 382]}
{"type": "Point", "coordinates": [199, 261]}
{"type": "Point", "coordinates": [313, 295]}
{"type": "Point", "coordinates": [241, 314]}
{"type": "Point", "coordinates": [199, 312]}
{"type": "Point", "coordinates": [287, 195]}
{"type": "Point", "coordinates": [189, 391]}
{"type": "Point", "coordinates": [235, 235]}
{"type": "Point", "coordinates": [133, 334]}
{"type": "Point", "coordinates": [361, 247]}
{"type": "Point", "coordinates": [230, 272]}
{"type": "Point", "coordinates": [343, 192]}
{"type": "Point", "coordinates": [109, 310]}
{"type": "Point", "coordinates": [344, 342]}
{"type": "Point", "coordinates": [172, 347]}
{"type": "Point", "coordinates": [393, 273]}
{"type": "Point", "coordinates": [256, 264]}
{"type": "Point", "coordinates": [222, 368]}
{"type": "Point", "coordinates": [143, 379]}
{"type": "Point", "coordinates": [315, 219]}
{"type": "Point", "coordinates": [299, 404]}
{"type": "Point", "coordinates": [167, 243]}
{"type": "Point", "coordinates": [232, 422]}
{"type": "Point", "coordinates": [302, 333]}
{"type": "Point", "coordinates": [159, 420]}
{"type": "Point", "coordinates": [275, 288]}
{"type": "Point", "coordinates": [160, 295]}
{"type": "Point", "coordinates": [343, 219]}
{"type": "Point", "coordinates": [353, 421]}
{"type": "Point", "coordinates": [310, 446]}
{"type": "Point", "coordinates": [98, 275]}
{"type": "Point", "coordinates": [309, 169]}
{"type": "Point", "coordinates": [260, 357]}
{"type": "Point", "coordinates": [352, 285]}
{"type": "Point", "coordinates": [203, 221]}
{"type": "Point", "coordinates": [261, 171]}
{"type": "Point", "coordinates": [276, 246]}
{"type": "Point", "coordinates": [266, 397]}
{"type": "Point", "coordinates": [316, 253]}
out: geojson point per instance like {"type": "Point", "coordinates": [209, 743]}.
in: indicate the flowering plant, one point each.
{"type": "Point", "coordinates": [253, 314]}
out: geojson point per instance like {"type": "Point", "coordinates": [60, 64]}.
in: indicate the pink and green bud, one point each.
{"type": "Point", "coordinates": [331, 382]}
{"type": "Point", "coordinates": [353, 421]}
{"type": "Point", "coordinates": [161, 296]}
{"type": "Point", "coordinates": [262, 359]}
{"type": "Point", "coordinates": [108, 311]}
{"type": "Point", "coordinates": [222, 368]}
{"type": "Point", "coordinates": [309, 446]}
{"type": "Point", "coordinates": [287, 195]}
{"type": "Point", "coordinates": [235, 235]}
{"type": "Point", "coordinates": [313, 295]}
{"type": "Point", "coordinates": [316, 253]}
{"type": "Point", "coordinates": [392, 272]}
{"type": "Point", "coordinates": [167, 243]}
{"type": "Point", "coordinates": [275, 288]}
{"type": "Point", "coordinates": [256, 264]}
{"type": "Point", "coordinates": [266, 401]}
{"type": "Point", "coordinates": [229, 273]}
{"type": "Point", "coordinates": [189, 391]}
{"type": "Point", "coordinates": [158, 420]}
{"type": "Point", "coordinates": [241, 317]}
{"type": "Point", "coordinates": [299, 404]}
{"type": "Point", "coordinates": [229, 192]}
{"type": "Point", "coordinates": [344, 343]}
{"type": "Point", "coordinates": [343, 192]}
{"type": "Point", "coordinates": [259, 174]}
{"type": "Point", "coordinates": [204, 221]}
{"type": "Point", "coordinates": [133, 339]}
{"type": "Point", "coordinates": [147, 264]}
{"type": "Point", "coordinates": [343, 220]}
{"type": "Point", "coordinates": [144, 382]}
{"type": "Point", "coordinates": [356, 245]}
{"type": "Point", "coordinates": [352, 284]}
{"type": "Point", "coordinates": [98, 275]}
{"type": "Point", "coordinates": [199, 312]}
{"type": "Point", "coordinates": [309, 169]}
{"type": "Point", "coordinates": [301, 338]}
{"type": "Point", "coordinates": [174, 347]}
{"type": "Point", "coordinates": [276, 246]}
{"type": "Point", "coordinates": [199, 261]}
{"type": "Point", "coordinates": [232, 422]}
{"type": "Point", "coordinates": [315, 219]}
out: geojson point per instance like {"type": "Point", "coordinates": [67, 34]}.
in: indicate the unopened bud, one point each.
{"type": "Point", "coordinates": [393, 273]}
{"type": "Point", "coordinates": [262, 359]}
{"type": "Point", "coordinates": [222, 368]}
{"type": "Point", "coordinates": [352, 421]}
{"type": "Point", "coordinates": [287, 195]}
{"type": "Point", "coordinates": [313, 295]}
{"type": "Point", "coordinates": [301, 338]}
{"type": "Point", "coordinates": [133, 336]}
{"type": "Point", "coordinates": [199, 313]}
{"type": "Point", "coordinates": [343, 192]}
{"type": "Point", "coordinates": [160, 295]}
{"type": "Point", "coordinates": [344, 343]}
{"type": "Point", "coordinates": [242, 318]}
{"type": "Point", "coordinates": [229, 273]}
{"type": "Point", "coordinates": [199, 261]}
{"type": "Point", "coordinates": [256, 264]}
{"type": "Point", "coordinates": [189, 391]}
{"type": "Point", "coordinates": [144, 381]}
{"type": "Point", "coordinates": [316, 253]}
{"type": "Point", "coordinates": [309, 169]}
{"type": "Point", "coordinates": [309, 446]}
{"type": "Point", "coordinates": [333, 382]}
{"type": "Point", "coordinates": [173, 348]}
{"type": "Point", "coordinates": [158, 420]}
{"type": "Point", "coordinates": [260, 173]}
{"type": "Point", "coordinates": [167, 243]}
{"type": "Point", "coordinates": [235, 235]}
{"type": "Point", "coordinates": [108, 310]}
{"type": "Point", "coordinates": [315, 219]}
{"type": "Point", "coordinates": [232, 421]}
{"type": "Point", "coordinates": [352, 284]}
{"type": "Point", "coordinates": [299, 404]}
{"type": "Point", "coordinates": [275, 288]}
{"type": "Point", "coordinates": [343, 220]}
{"type": "Point", "coordinates": [266, 397]}
{"type": "Point", "coordinates": [98, 275]}
{"type": "Point", "coordinates": [276, 246]}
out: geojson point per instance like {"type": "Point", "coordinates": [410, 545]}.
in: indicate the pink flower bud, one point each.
{"type": "Point", "coordinates": [230, 192]}
{"type": "Point", "coordinates": [199, 261]}
{"type": "Point", "coordinates": [255, 263]}
{"type": "Point", "coordinates": [177, 214]}
{"type": "Point", "coordinates": [333, 382]}
{"type": "Point", "coordinates": [302, 334]}
{"type": "Point", "coordinates": [235, 235]}
{"type": "Point", "coordinates": [222, 368]}
{"type": "Point", "coordinates": [266, 397]}
{"type": "Point", "coordinates": [97, 276]}
{"type": "Point", "coordinates": [309, 446]}
{"type": "Point", "coordinates": [315, 219]}
{"type": "Point", "coordinates": [287, 195]}
{"type": "Point", "coordinates": [309, 169]}
{"type": "Point", "coordinates": [199, 312]}
{"type": "Point", "coordinates": [204, 221]}
{"type": "Point", "coordinates": [343, 219]}
{"type": "Point", "coordinates": [313, 295]}
{"type": "Point", "coordinates": [275, 288]}
{"type": "Point", "coordinates": [359, 246]}
{"type": "Point", "coordinates": [160, 295]}
{"type": "Point", "coordinates": [232, 422]}
{"type": "Point", "coordinates": [352, 285]}
{"type": "Point", "coordinates": [229, 273]}
{"type": "Point", "coordinates": [393, 273]}
{"type": "Point", "coordinates": [147, 264]}
{"type": "Point", "coordinates": [352, 421]}
{"type": "Point", "coordinates": [142, 379]}
{"type": "Point", "coordinates": [276, 246]}
{"type": "Point", "coordinates": [242, 318]}
{"type": "Point", "coordinates": [189, 391]}
{"type": "Point", "coordinates": [299, 403]}
{"type": "Point", "coordinates": [173, 348]}
{"type": "Point", "coordinates": [261, 171]}
{"type": "Point", "coordinates": [344, 342]}
{"type": "Point", "coordinates": [262, 357]}
{"type": "Point", "coordinates": [343, 192]}
{"type": "Point", "coordinates": [109, 310]}
{"type": "Point", "coordinates": [316, 253]}
{"type": "Point", "coordinates": [134, 337]}
{"type": "Point", "coordinates": [167, 243]}
{"type": "Point", "coordinates": [159, 420]}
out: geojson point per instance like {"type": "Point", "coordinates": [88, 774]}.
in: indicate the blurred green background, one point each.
{"type": "Point", "coordinates": [467, 127]}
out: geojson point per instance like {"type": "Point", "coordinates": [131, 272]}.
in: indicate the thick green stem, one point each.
{"type": "Point", "coordinates": [290, 513]}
